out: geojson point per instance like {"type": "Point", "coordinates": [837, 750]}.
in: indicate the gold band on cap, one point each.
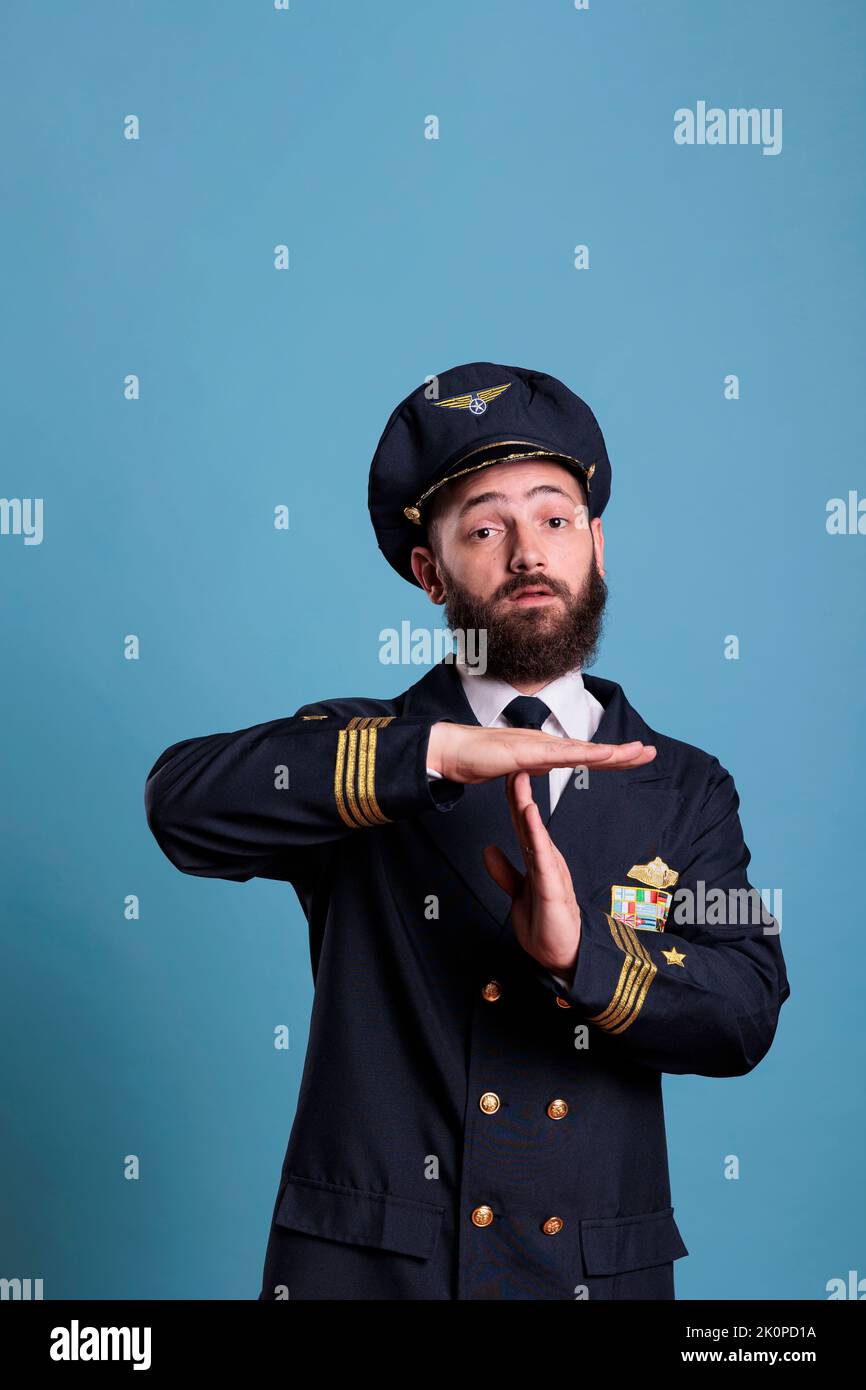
{"type": "Point", "coordinates": [413, 513]}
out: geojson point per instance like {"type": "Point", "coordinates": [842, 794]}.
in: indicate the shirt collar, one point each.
{"type": "Point", "coordinates": [567, 698]}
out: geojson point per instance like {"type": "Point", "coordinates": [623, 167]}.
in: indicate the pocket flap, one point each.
{"type": "Point", "coordinates": [360, 1218]}
{"type": "Point", "coordinates": [613, 1246]}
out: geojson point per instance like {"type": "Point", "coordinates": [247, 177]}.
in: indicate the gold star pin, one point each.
{"type": "Point", "coordinates": [674, 957]}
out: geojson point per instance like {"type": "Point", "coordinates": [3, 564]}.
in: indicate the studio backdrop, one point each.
{"type": "Point", "coordinates": [235, 236]}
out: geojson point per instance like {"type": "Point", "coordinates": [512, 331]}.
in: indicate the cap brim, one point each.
{"type": "Point", "coordinates": [503, 451]}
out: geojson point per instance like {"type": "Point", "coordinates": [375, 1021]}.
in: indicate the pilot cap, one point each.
{"type": "Point", "coordinates": [466, 419]}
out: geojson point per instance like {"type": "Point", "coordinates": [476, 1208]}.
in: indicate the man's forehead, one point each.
{"type": "Point", "coordinates": [511, 482]}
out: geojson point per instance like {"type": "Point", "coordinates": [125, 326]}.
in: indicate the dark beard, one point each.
{"type": "Point", "coordinates": [529, 644]}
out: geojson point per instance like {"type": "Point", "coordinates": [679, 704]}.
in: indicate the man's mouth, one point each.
{"type": "Point", "coordinates": [536, 593]}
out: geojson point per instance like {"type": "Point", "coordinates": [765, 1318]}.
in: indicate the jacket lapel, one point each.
{"type": "Point", "coordinates": [618, 815]}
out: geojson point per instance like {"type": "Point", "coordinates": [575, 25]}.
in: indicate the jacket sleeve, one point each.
{"type": "Point", "coordinates": [704, 995]}
{"type": "Point", "coordinates": [265, 801]}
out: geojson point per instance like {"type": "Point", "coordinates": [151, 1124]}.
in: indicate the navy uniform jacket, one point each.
{"type": "Point", "coordinates": [467, 1127]}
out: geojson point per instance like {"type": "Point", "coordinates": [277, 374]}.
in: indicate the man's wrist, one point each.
{"type": "Point", "coordinates": [433, 752]}
{"type": "Point", "coordinates": [565, 974]}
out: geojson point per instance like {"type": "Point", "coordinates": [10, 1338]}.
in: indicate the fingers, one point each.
{"type": "Point", "coordinates": [535, 843]}
{"type": "Point", "coordinates": [629, 754]}
{"type": "Point", "coordinates": [623, 755]}
{"type": "Point", "coordinates": [516, 810]}
{"type": "Point", "coordinates": [502, 871]}
{"type": "Point", "coordinates": [574, 752]}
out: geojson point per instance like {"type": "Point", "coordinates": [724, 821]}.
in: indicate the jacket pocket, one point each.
{"type": "Point", "coordinates": [616, 1245]}
{"type": "Point", "coordinates": [360, 1218]}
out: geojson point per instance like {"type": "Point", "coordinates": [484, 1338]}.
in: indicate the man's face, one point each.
{"type": "Point", "coordinates": [513, 554]}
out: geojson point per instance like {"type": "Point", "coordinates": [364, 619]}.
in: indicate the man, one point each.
{"type": "Point", "coordinates": [524, 904]}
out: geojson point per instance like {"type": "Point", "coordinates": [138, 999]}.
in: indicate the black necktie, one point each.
{"type": "Point", "coordinates": [528, 712]}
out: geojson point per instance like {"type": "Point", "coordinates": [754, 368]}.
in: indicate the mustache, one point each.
{"type": "Point", "coordinates": [519, 584]}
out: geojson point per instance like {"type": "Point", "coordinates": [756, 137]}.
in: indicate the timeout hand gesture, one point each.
{"type": "Point", "coordinates": [544, 911]}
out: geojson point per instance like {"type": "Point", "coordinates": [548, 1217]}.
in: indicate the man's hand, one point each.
{"type": "Point", "coordinates": [467, 753]}
{"type": "Point", "coordinates": [544, 910]}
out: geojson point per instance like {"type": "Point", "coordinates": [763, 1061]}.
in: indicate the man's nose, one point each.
{"type": "Point", "coordinates": [528, 551]}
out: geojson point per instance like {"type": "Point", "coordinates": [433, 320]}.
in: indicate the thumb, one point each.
{"type": "Point", "coordinates": [502, 871]}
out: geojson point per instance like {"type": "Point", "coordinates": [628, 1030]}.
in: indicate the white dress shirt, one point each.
{"type": "Point", "coordinates": [574, 713]}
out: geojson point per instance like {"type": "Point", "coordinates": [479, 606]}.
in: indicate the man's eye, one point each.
{"type": "Point", "coordinates": [563, 519]}
{"type": "Point", "coordinates": [489, 529]}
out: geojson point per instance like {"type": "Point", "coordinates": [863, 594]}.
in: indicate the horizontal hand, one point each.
{"type": "Point", "coordinates": [467, 753]}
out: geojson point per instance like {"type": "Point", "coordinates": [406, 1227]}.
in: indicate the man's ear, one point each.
{"type": "Point", "coordinates": [425, 571]}
{"type": "Point", "coordinates": [598, 543]}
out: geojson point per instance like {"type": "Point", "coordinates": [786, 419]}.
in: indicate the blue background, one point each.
{"type": "Point", "coordinates": [258, 387]}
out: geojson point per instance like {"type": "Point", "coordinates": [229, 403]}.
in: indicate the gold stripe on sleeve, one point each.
{"type": "Point", "coordinates": [351, 773]}
{"type": "Point", "coordinates": [637, 974]}
{"type": "Point", "coordinates": [339, 781]}
{"type": "Point", "coordinates": [366, 774]}
{"type": "Point", "coordinates": [355, 772]}
{"type": "Point", "coordinates": [368, 794]}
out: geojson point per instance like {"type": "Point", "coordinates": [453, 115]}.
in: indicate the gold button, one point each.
{"type": "Point", "coordinates": [553, 1225]}
{"type": "Point", "coordinates": [492, 990]}
{"type": "Point", "coordinates": [482, 1216]}
{"type": "Point", "coordinates": [557, 1109]}
{"type": "Point", "coordinates": [489, 1102]}
{"type": "Point", "coordinates": [563, 1003]}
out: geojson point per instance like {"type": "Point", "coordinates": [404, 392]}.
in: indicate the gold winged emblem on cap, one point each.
{"type": "Point", "coordinates": [465, 402]}
{"type": "Point", "coordinates": [655, 875]}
